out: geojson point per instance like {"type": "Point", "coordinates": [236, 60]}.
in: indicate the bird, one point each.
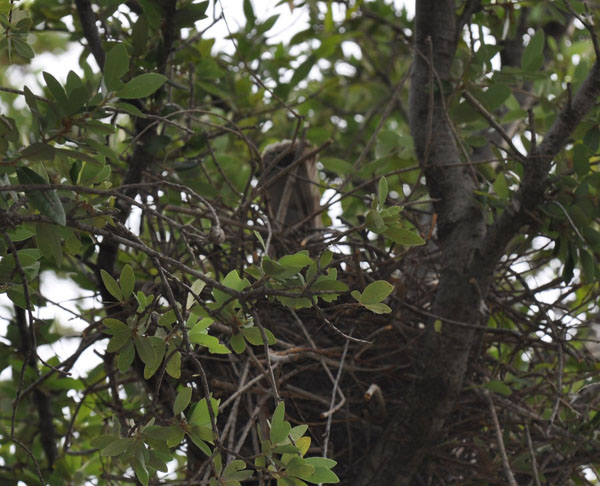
{"type": "Point", "coordinates": [292, 192]}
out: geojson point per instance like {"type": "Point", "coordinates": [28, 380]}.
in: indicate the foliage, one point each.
{"type": "Point", "coordinates": [140, 179]}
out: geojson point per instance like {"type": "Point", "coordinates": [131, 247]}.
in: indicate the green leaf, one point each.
{"type": "Point", "coordinates": [321, 462]}
{"type": "Point", "coordinates": [376, 292]}
{"type": "Point", "coordinates": [145, 350]}
{"type": "Point", "coordinates": [22, 233]}
{"type": "Point", "coordinates": [38, 151]}
{"type": "Point", "coordinates": [375, 222]}
{"type": "Point", "coordinates": [141, 86]}
{"type": "Point", "coordinates": [159, 346]}
{"type": "Point", "coordinates": [22, 48]}
{"type": "Point", "coordinates": [253, 336]}
{"type": "Point", "coordinates": [46, 202]}
{"type": "Point", "coordinates": [182, 400]}
{"type": "Point", "coordinates": [581, 159]}
{"type": "Point", "coordinates": [127, 280]}
{"type": "Point", "coordinates": [249, 14]}
{"type": "Point", "coordinates": [382, 192]}
{"type": "Point", "coordinates": [379, 308]}
{"type": "Point", "coordinates": [49, 242]}
{"type": "Point", "coordinates": [498, 387]}
{"type": "Point", "coordinates": [403, 236]}
{"type": "Point", "coordinates": [102, 441]}
{"type": "Point", "coordinates": [188, 15]}
{"type": "Point", "coordinates": [298, 467]}
{"type": "Point", "coordinates": [139, 467]}
{"type": "Point", "coordinates": [302, 71]}
{"type": "Point", "coordinates": [173, 367]}
{"type": "Point", "coordinates": [200, 415]}
{"type": "Point", "coordinates": [57, 90]}
{"type": "Point", "coordinates": [111, 285]}
{"type": "Point", "coordinates": [337, 166]}
{"type": "Point", "coordinates": [126, 357]}
{"type": "Point", "coordinates": [494, 96]}
{"type": "Point", "coordinates": [197, 288]}
{"type": "Point", "coordinates": [280, 428]}
{"type": "Point", "coordinates": [115, 326]}
{"type": "Point", "coordinates": [587, 265]}
{"type": "Point", "coordinates": [197, 439]}
{"type": "Point", "coordinates": [129, 108]}
{"type": "Point", "coordinates": [237, 343]}
{"type": "Point", "coordinates": [233, 281]}
{"type": "Point", "coordinates": [210, 342]}
{"type": "Point", "coordinates": [501, 187]}
{"type": "Point", "coordinates": [118, 340]}
{"type": "Point", "coordinates": [323, 475]}
{"type": "Point", "coordinates": [117, 447]}
{"type": "Point", "coordinates": [533, 55]}
{"type": "Point", "coordinates": [271, 267]}
{"type": "Point", "coordinates": [115, 67]}
{"type": "Point", "coordinates": [177, 434]}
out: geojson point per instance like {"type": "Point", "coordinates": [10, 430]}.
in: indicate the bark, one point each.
{"type": "Point", "coordinates": [470, 251]}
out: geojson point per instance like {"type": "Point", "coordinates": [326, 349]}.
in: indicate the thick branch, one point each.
{"type": "Point", "coordinates": [87, 17]}
{"type": "Point", "coordinates": [537, 168]}
{"type": "Point", "coordinates": [442, 357]}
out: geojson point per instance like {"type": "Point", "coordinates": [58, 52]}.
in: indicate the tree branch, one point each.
{"type": "Point", "coordinates": [87, 17]}
{"type": "Point", "coordinates": [537, 168]}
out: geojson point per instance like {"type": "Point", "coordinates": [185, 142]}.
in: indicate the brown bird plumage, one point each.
{"type": "Point", "coordinates": [295, 196]}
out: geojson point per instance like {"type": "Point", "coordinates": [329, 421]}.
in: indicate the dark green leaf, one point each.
{"type": "Point", "coordinates": [46, 202]}
{"type": "Point", "coordinates": [375, 222]}
{"type": "Point", "coordinates": [127, 281]}
{"type": "Point", "coordinates": [173, 368]}
{"type": "Point", "coordinates": [118, 340]}
{"type": "Point", "coordinates": [249, 14]}
{"type": "Point", "coordinates": [581, 161]}
{"type": "Point", "coordinates": [115, 67]}
{"type": "Point", "coordinates": [188, 15]}
{"type": "Point", "coordinates": [111, 285]}
{"type": "Point", "coordinates": [382, 192]}
{"type": "Point", "coordinates": [117, 447]}
{"type": "Point", "coordinates": [498, 387]}
{"type": "Point", "coordinates": [126, 356]}
{"type": "Point", "coordinates": [56, 89]}
{"type": "Point", "coordinates": [403, 236]}
{"type": "Point", "coordinates": [533, 55]}
{"type": "Point", "coordinates": [49, 242]}
{"type": "Point", "coordinates": [182, 400]}
{"type": "Point", "coordinates": [145, 350]}
{"type": "Point", "coordinates": [302, 71]}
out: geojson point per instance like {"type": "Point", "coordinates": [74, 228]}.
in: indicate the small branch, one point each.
{"type": "Point", "coordinates": [331, 407]}
{"type": "Point", "coordinates": [472, 7]}
{"type": "Point", "coordinates": [509, 474]}
{"type": "Point", "coordinates": [534, 468]}
{"type": "Point", "coordinates": [488, 116]}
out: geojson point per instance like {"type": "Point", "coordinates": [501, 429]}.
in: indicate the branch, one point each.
{"type": "Point", "coordinates": [472, 7]}
{"type": "Point", "coordinates": [537, 168]}
{"type": "Point", "coordinates": [87, 17]}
